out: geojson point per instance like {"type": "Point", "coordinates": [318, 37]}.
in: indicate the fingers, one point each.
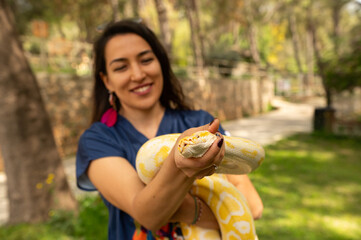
{"type": "Point", "coordinates": [205, 165]}
{"type": "Point", "coordinates": [216, 160]}
{"type": "Point", "coordinates": [213, 126]}
{"type": "Point", "coordinates": [219, 151]}
{"type": "Point", "coordinates": [216, 152]}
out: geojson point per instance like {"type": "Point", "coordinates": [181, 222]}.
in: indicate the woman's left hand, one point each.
{"type": "Point", "coordinates": [205, 165]}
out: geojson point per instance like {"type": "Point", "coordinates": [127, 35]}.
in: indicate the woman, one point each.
{"type": "Point", "coordinates": [137, 97]}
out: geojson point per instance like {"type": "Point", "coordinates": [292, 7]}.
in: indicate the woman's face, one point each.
{"type": "Point", "coordinates": [133, 72]}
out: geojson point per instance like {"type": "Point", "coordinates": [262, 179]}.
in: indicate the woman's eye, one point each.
{"type": "Point", "coordinates": [147, 60]}
{"type": "Point", "coordinates": [120, 68]}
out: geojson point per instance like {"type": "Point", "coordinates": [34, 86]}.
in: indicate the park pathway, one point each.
{"type": "Point", "coordinates": [287, 119]}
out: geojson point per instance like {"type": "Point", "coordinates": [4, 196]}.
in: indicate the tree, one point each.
{"type": "Point", "coordinates": [115, 9]}
{"type": "Point", "coordinates": [191, 10]}
{"type": "Point", "coordinates": [35, 175]}
{"type": "Point", "coordinates": [326, 59]}
{"type": "Point", "coordinates": [252, 32]}
{"type": "Point", "coordinates": [296, 17]}
{"type": "Point", "coordinates": [345, 73]}
{"type": "Point", "coordinates": [166, 34]}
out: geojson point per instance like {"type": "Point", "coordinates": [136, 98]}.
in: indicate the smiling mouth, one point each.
{"type": "Point", "coordinates": [142, 89]}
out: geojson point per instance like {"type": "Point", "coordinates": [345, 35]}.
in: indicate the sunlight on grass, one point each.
{"type": "Point", "coordinates": [349, 189]}
{"type": "Point", "coordinates": [344, 225]}
{"type": "Point", "coordinates": [322, 156]}
{"type": "Point", "coordinates": [310, 185]}
{"type": "Point", "coordinates": [322, 202]}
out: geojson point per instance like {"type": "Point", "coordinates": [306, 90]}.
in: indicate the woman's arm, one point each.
{"type": "Point", "coordinates": [244, 184]}
{"type": "Point", "coordinates": [153, 205]}
{"type": "Point", "coordinates": [186, 214]}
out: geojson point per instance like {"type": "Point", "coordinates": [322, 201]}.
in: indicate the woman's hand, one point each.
{"type": "Point", "coordinates": [205, 165]}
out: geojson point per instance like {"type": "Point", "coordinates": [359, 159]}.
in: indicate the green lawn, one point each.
{"type": "Point", "coordinates": [310, 185]}
{"type": "Point", "coordinates": [90, 224]}
{"type": "Point", "coordinates": [311, 188]}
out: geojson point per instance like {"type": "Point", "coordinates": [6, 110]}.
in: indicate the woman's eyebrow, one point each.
{"type": "Point", "coordinates": [117, 60]}
{"type": "Point", "coordinates": [144, 52]}
{"type": "Point", "coordinates": [124, 59]}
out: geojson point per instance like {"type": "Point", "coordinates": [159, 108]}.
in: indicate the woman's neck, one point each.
{"type": "Point", "coordinates": [145, 121]}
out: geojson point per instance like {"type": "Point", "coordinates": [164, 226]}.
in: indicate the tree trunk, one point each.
{"type": "Point", "coordinates": [135, 8]}
{"type": "Point", "coordinates": [164, 26]}
{"type": "Point", "coordinates": [60, 29]}
{"type": "Point", "coordinates": [192, 15]}
{"type": "Point", "coordinates": [115, 9]}
{"type": "Point", "coordinates": [252, 33]}
{"type": "Point", "coordinates": [310, 62]}
{"type": "Point", "coordinates": [35, 175]}
{"type": "Point", "coordinates": [191, 10]}
{"type": "Point", "coordinates": [141, 6]}
{"type": "Point", "coordinates": [337, 7]}
{"type": "Point", "coordinates": [319, 61]}
{"type": "Point", "coordinates": [199, 30]}
{"type": "Point", "coordinates": [295, 40]}
{"type": "Point", "coordinates": [296, 50]}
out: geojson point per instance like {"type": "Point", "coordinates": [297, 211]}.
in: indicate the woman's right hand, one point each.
{"type": "Point", "coordinates": [205, 165]}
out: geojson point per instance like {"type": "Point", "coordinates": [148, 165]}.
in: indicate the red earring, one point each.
{"type": "Point", "coordinates": [110, 117]}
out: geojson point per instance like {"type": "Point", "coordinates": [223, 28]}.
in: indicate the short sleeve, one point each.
{"type": "Point", "coordinates": [96, 142]}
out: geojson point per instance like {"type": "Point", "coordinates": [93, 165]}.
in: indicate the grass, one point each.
{"type": "Point", "coordinates": [310, 185]}
{"type": "Point", "coordinates": [311, 188]}
{"type": "Point", "coordinates": [90, 224]}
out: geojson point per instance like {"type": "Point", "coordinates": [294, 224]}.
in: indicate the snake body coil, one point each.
{"type": "Point", "coordinates": [225, 200]}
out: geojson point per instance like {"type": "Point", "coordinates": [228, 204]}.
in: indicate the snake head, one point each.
{"type": "Point", "coordinates": [196, 145]}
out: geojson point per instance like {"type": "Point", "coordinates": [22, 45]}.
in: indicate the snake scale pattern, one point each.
{"type": "Point", "coordinates": [225, 200]}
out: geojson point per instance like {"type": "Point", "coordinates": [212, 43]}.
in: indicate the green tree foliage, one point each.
{"type": "Point", "coordinates": [49, 11]}
{"type": "Point", "coordinates": [275, 33]}
{"type": "Point", "coordinates": [86, 14]}
{"type": "Point", "coordinates": [345, 72]}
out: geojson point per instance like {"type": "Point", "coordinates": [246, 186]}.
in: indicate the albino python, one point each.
{"type": "Point", "coordinates": [225, 200]}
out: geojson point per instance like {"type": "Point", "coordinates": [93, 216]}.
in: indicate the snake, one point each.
{"type": "Point", "coordinates": [227, 203]}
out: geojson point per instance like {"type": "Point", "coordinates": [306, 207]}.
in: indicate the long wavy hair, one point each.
{"type": "Point", "coordinates": [172, 95]}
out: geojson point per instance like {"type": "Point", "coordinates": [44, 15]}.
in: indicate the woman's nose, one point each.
{"type": "Point", "coordinates": [137, 73]}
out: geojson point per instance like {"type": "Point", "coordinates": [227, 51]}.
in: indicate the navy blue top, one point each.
{"type": "Point", "coordinates": [124, 140]}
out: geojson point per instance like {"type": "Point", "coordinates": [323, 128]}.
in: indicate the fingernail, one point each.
{"type": "Point", "coordinates": [220, 143]}
{"type": "Point", "coordinates": [211, 122]}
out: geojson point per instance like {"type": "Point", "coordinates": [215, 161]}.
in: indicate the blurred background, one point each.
{"type": "Point", "coordinates": [233, 58]}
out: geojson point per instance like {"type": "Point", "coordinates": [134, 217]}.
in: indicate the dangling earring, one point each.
{"type": "Point", "coordinates": [110, 117]}
{"type": "Point", "coordinates": [111, 99]}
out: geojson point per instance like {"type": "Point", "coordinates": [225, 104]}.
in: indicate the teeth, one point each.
{"type": "Point", "coordinates": [142, 89]}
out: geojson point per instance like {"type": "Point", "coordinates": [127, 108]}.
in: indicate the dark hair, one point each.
{"type": "Point", "coordinates": [172, 95]}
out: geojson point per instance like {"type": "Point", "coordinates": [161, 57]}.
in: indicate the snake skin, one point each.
{"type": "Point", "coordinates": [226, 202]}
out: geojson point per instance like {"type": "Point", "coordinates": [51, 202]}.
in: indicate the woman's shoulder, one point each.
{"type": "Point", "coordinates": [98, 130]}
